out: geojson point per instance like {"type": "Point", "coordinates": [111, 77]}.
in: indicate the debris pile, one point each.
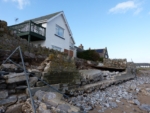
{"type": "Point", "coordinates": [115, 63]}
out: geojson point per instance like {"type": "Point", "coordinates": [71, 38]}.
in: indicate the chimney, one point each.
{"type": "Point", "coordinates": [81, 46]}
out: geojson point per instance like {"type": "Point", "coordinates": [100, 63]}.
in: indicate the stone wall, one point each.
{"type": "Point", "coordinates": [59, 69]}
{"type": "Point", "coordinates": [115, 63]}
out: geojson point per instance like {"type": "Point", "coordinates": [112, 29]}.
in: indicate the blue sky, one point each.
{"type": "Point", "coordinates": [123, 26]}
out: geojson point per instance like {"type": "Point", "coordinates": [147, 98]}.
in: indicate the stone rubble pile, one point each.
{"type": "Point", "coordinates": [94, 75]}
{"type": "Point", "coordinates": [115, 63]}
{"type": "Point", "coordinates": [111, 96]}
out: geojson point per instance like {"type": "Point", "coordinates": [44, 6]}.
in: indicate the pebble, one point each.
{"type": "Point", "coordinates": [106, 97]}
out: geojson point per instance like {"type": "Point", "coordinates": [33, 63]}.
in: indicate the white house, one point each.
{"type": "Point", "coordinates": [58, 34]}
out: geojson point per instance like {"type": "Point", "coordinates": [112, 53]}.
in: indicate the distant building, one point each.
{"type": "Point", "coordinates": [79, 48]}
{"type": "Point", "coordinates": [103, 53]}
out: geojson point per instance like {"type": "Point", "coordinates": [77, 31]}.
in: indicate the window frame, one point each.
{"type": "Point", "coordinates": [56, 48]}
{"type": "Point", "coordinates": [57, 31]}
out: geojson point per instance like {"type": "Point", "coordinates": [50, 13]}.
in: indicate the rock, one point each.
{"type": "Point", "coordinates": [17, 108]}
{"type": "Point", "coordinates": [32, 81]}
{"type": "Point", "coordinates": [91, 74]}
{"type": "Point", "coordinates": [10, 100]}
{"type": "Point", "coordinates": [43, 108]}
{"type": "Point", "coordinates": [136, 102]}
{"type": "Point", "coordinates": [3, 86]}
{"type": "Point", "coordinates": [113, 104]}
{"type": "Point", "coordinates": [39, 94]}
{"type": "Point", "coordinates": [41, 68]}
{"type": "Point", "coordinates": [63, 107]}
{"type": "Point", "coordinates": [48, 98]}
{"type": "Point", "coordinates": [22, 98]}
{"type": "Point", "coordinates": [2, 81]}
{"type": "Point", "coordinates": [21, 87]}
{"type": "Point", "coordinates": [132, 86]}
{"type": "Point", "coordinates": [9, 66]}
{"type": "Point", "coordinates": [39, 84]}
{"type": "Point", "coordinates": [44, 88]}
{"type": "Point", "coordinates": [3, 94]}
{"type": "Point", "coordinates": [15, 77]}
{"type": "Point", "coordinates": [145, 107]}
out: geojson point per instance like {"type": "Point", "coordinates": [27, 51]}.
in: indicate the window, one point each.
{"type": "Point", "coordinates": [56, 48]}
{"type": "Point", "coordinates": [59, 31]}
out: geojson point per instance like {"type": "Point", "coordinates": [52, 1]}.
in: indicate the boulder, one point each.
{"type": "Point", "coordinates": [16, 108]}
{"type": "Point", "coordinates": [32, 81]}
{"type": "Point", "coordinates": [39, 94]}
{"type": "Point", "coordinates": [91, 74]}
{"type": "Point", "coordinates": [15, 77]}
{"type": "Point", "coordinates": [3, 94]}
{"type": "Point", "coordinates": [43, 108]}
{"type": "Point", "coordinates": [64, 107]}
{"type": "Point", "coordinates": [9, 66]}
{"type": "Point", "coordinates": [44, 88]}
{"type": "Point", "coordinates": [10, 100]}
{"type": "Point", "coordinates": [39, 84]}
{"type": "Point", "coordinates": [145, 107]}
{"type": "Point", "coordinates": [22, 98]}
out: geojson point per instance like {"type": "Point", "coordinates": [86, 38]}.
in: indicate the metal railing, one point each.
{"type": "Point", "coordinates": [28, 27]}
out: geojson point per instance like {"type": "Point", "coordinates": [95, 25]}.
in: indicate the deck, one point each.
{"type": "Point", "coordinates": [29, 30]}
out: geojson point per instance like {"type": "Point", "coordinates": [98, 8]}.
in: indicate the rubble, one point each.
{"type": "Point", "coordinates": [115, 63]}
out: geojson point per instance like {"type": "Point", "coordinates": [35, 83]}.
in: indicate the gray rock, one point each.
{"type": "Point", "coordinates": [136, 102]}
{"type": "Point", "coordinates": [10, 100]}
{"type": "Point", "coordinates": [44, 88]}
{"type": "Point", "coordinates": [113, 104]}
{"type": "Point", "coordinates": [32, 81]}
{"type": "Point", "coordinates": [22, 98]}
{"type": "Point", "coordinates": [3, 86]}
{"type": "Point", "coordinates": [39, 84]}
{"type": "Point", "coordinates": [21, 87]}
{"type": "Point", "coordinates": [64, 107]}
{"type": "Point", "coordinates": [16, 77]}
{"type": "Point", "coordinates": [145, 107]}
{"type": "Point", "coordinates": [39, 94]}
{"type": "Point", "coordinates": [2, 81]}
{"type": "Point", "coordinates": [3, 94]}
{"type": "Point", "coordinates": [9, 66]}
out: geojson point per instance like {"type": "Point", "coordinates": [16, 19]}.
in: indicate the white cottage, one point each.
{"type": "Point", "coordinates": [51, 31]}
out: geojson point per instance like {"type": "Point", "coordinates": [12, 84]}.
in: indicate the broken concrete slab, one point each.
{"type": "Point", "coordinates": [90, 74]}
{"type": "Point", "coordinates": [9, 66]}
{"type": "Point", "coordinates": [44, 88]}
{"type": "Point", "coordinates": [16, 79]}
{"type": "Point", "coordinates": [12, 75]}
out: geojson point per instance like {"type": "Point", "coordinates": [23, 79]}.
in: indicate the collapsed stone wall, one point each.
{"type": "Point", "coordinates": [115, 63]}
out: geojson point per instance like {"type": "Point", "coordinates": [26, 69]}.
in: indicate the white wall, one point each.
{"type": "Point", "coordinates": [52, 39]}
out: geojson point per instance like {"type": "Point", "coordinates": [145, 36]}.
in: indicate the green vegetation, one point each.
{"type": "Point", "coordinates": [89, 55]}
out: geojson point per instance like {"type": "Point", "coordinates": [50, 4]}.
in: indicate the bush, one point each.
{"type": "Point", "coordinates": [89, 55]}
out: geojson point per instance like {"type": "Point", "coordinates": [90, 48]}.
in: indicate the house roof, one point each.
{"type": "Point", "coordinates": [50, 17]}
{"type": "Point", "coordinates": [44, 18]}
{"type": "Point", "coordinates": [99, 50]}
{"type": "Point", "coordinates": [78, 49]}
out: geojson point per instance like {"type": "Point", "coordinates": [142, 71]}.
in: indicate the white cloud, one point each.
{"type": "Point", "coordinates": [126, 6]}
{"type": "Point", "coordinates": [21, 3]}
{"type": "Point", "coordinates": [138, 10]}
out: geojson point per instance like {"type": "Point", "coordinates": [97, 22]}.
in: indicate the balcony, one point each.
{"type": "Point", "coordinates": [29, 30]}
